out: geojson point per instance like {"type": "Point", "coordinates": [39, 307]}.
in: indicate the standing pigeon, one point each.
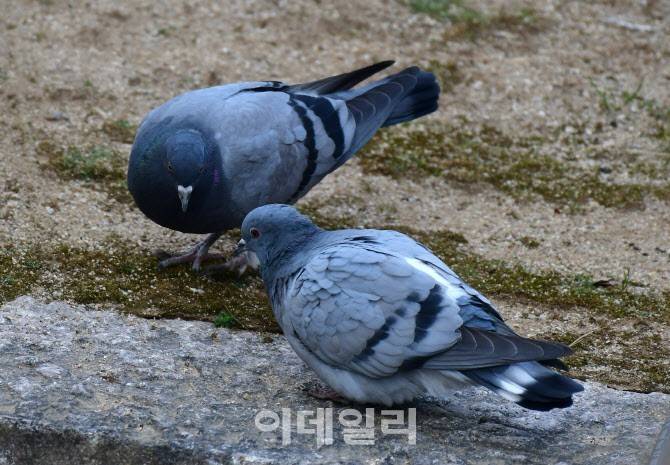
{"type": "Point", "coordinates": [206, 158]}
{"type": "Point", "coordinates": [380, 319]}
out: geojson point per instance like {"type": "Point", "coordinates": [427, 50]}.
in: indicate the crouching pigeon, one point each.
{"type": "Point", "coordinates": [206, 158]}
{"type": "Point", "coordinates": [380, 319]}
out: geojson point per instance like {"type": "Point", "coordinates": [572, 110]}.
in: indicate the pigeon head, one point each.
{"type": "Point", "coordinates": [186, 163]}
{"type": "Point", "coordinates": [274, 232]}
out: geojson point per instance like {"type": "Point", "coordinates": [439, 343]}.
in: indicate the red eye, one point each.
{"type": "Point", "coordinates": [255, 233]}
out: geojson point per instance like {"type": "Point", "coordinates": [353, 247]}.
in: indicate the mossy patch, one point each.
{"type": "Point", "coordinates": [225, 320]}
{"type": "Point", "coordinates": [529, 242]}
{"type": "Point", "coordinates": [98, 163]}
{"type": "Point", "coordinates": [100, 167]}
{"type": "Point", "coordinates": [120, 130]}
{"type": "Point", "coordinates": [614, 100]}
{"type": "Point", "coordinates": [129, 279]}
{"type": "Point", "coordinates": [635, 356]}
{"type": "Point", "coordinates": [18, 273]}
{"type": "Point", "coordinates": [467, 22]}
{"type": "Point", "coordinates": [469, 156]}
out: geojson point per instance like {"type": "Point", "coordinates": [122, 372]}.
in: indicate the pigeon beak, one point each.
{"type": "Point", "coordinates": [184, 194]}
{"type": "Point", "coordinates": [241, 248]}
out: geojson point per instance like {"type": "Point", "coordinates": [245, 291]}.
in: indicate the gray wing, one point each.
{"type": "Point", "coordinates": [485, 338]}
{"type": "Point", "coordinates": [367, 311]}
{"type": "Point", "coordinates": [360, 307]}
{"type": "Point", "coordinates": [476, 310]}
{"type": "Point", "coordinates": [282, 140]}
{"type": "Point", "coordinates": [280, 144]}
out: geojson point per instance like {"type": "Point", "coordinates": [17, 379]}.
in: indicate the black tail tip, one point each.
{"type": "Point", "coordinates": [545, 406]}
{"type": "Point", "coordinates": [384, 63]}
{"type": "Point", "coordinates": [554, 392]}
{"type": "Point", "coordinates": [420, 101]}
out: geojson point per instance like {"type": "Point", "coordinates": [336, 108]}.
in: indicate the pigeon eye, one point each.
{"type": "Point", "coordinates": [255, 233]}
{"type": "Point", "coordinates": [169, 167]}
{"type": "Point", "coordinates": [201, 170]}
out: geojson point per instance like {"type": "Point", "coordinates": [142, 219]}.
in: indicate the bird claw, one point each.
{"type": "Point", "coordinates": [161, 254]}
{"type": "Point", "coordinates": [321, 391]}
{"type": "Point", "coordinates": [196, 260]}
{"type": "Point", "coordinates": [167, 259]}
{"type": "Point", "coordinates": [237, 264]}
{"type": "Point", "coordinates": [196, 256]}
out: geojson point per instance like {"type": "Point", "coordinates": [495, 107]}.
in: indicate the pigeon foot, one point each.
{"type": "Point", "coordinates": [237, 264]}
{"type": "Point", "coordinates": [321, 391]}
{"type": "Point", "coordinates": [196, 256]}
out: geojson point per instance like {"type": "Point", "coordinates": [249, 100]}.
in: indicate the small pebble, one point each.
{"type": "Point", "coordinates": [81, 390]}
{"type": "Point", "coordinates": [57, 116]}
{"type": "Point", "coordinates": [50, 370]}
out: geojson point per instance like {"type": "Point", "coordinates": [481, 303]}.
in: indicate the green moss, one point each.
{"type": "Point", "coordinates": [657, 169]}
{"type": "Point", "coordinates": [128, 278]}
{"type": "Point", "coordinates": [224, 320]}
{"type": "Point", "coordinates": [485, 155]}
{"type": "Point", "coordinates": [524, 21]}
{"type": "Point", "coordinates": [529, 242]}
{"type": "Point", "coordinates": [631, 358]}
{"type": "Point", "coordinates": [455, 11]}
{"type": "Point", "coordinates": [101, 167]}
{"type": "Point", "coordinates": [469, 23]}
{"type": "Point", "coordinates": [18, 273]}
{"type": "Point", "coordinates": [96, 163]}
{"type": "Point", "coordinates": [120, 130]}
{"type": "Point", "coordinates": [612, 99]}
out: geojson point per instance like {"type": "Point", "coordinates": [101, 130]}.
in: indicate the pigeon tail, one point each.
{"type": "Point", "coordinates": [421, 101]}
{"type": "Point", "coordinates": [401, 97]}
{"type": "Point", "coordinates": [529, 384]}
